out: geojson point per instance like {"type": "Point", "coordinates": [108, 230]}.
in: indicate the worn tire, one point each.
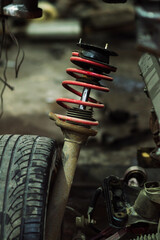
{"type": "Point", "coordinates": [26, 163]}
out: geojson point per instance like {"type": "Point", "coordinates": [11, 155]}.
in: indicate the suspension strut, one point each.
{"type": "Point", "coordinates": [76, 125]}
{"type": "Point", "coordinates": [94, 62]}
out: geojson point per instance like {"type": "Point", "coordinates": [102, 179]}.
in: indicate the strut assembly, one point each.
{"type": "Point", "coordinates": [76, 126]}
{"type": "Point", "coordinates": [94, 62]}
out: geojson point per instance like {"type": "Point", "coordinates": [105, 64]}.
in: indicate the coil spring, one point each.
{"type": "Point", "coordinates": [94, 64]}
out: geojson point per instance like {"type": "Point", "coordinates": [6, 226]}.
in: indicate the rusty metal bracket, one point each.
{"type": "Point", "coordinates": [147, 205]}
{"type": "Point", "coordinates": [72, 127]}
{"type": "Point", "coordinates": [74, 137]}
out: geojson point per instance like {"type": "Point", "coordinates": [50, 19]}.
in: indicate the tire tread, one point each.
{"type": "Point", "coordinates": [25, 166]}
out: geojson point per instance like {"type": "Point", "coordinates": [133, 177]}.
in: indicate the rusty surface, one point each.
{"type": "Point", "coordinates": [71, 127]}
{"type": "Point", "coordinates": [147, 205]}
{"type": "Point", "coordinates": [74, 136]}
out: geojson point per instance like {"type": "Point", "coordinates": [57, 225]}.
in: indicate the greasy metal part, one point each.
{"type": "Point", "coordinates": [92, 70]}
{"type": "Point", "coordinates": [136, 176]}
{"type": "Point", "coordinates": [153, 192]}
{"type": "Point", "coordinates": [148, 26]}
{"type": "Point", "coordinates": [75, 128]}
{"type": "Point", "coordinates": [74, 136]}
{"type": "Point", "coordinates": [115, 194]}
{"type": "Point", "coordinates": [133, 182]}
{"type": "Point", "coordinates": [77, 133]}
{"type": "Point", "coordinates": [147, 205]}
{"type": "Point", "coordinates": [85, 96]}
{"type": "Point", "coordinates": [21, 9]}
{"type": "Point", "coordinates": [129, 205]}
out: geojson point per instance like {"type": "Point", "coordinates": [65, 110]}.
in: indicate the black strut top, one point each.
{"type": "Point", "coordinates": [97, 53]}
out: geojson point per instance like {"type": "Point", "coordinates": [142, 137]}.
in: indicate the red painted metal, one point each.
{"type": "Point", "coordinates": [83, 76]}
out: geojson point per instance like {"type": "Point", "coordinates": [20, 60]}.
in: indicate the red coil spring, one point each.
{"type": "Point", "coordinates": [83, 76]}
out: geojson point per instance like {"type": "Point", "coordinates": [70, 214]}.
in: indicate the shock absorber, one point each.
{"type": "Point", "coordinates": [94, 63]}
{"type": "Point", "coordinates": [76, 125]}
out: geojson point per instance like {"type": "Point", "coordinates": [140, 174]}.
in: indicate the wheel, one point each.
{"type": "Point", "coordinates": [26, 164]}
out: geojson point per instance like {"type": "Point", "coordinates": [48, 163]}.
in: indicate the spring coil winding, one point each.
{"type": "Point", "coordinates": [94, 66]}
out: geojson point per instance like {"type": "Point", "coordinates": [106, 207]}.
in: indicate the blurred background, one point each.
{"type": "Point", "coordinates": [48, 43]}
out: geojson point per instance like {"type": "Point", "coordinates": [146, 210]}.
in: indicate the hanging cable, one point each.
{"type": "Point", "coordinates": [18, 60]}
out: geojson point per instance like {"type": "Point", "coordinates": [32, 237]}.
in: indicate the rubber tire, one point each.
{"type": "Point", "coordinates": [26, 164]}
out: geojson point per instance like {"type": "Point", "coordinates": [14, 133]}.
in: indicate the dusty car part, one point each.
{"type": "Point", "coordinates": [146, 208]}
{"type": "Point", "coordinates": [115, 201]}
{"type": "Point", "coordinates": [135, 176]}
{"type": "Point", "coordinates": [94, 62]}
{"type": "Point", "coordinates": [74, 136]}
{"type": "Point", "coordinates": [129, 205]}
{"type": "Point", "coordinates": [20, 8]}
{"type": "Point", "coordinates": [147, 205]}
{"type": "Point", "coordinates": [150, 70]}
{"type": "Point", "coordinates": [26, 165]}
{"type": "Point", "coordinates": [76, 126]}
{"type": "Point", "coordinates": [148, 22]}
{"type": "Point", "coordinates": [123, 216]}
